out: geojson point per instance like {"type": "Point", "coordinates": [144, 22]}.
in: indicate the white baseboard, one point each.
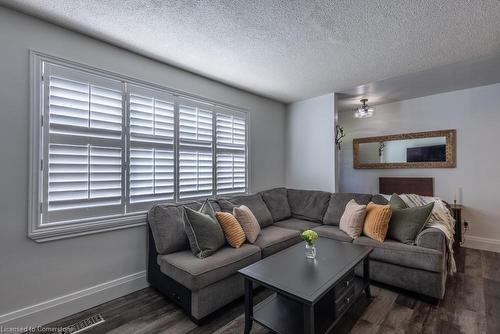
{"type": "Point", "coordinates": [60, 307]}
{"type": "Point", "coordinates": [492, 245]}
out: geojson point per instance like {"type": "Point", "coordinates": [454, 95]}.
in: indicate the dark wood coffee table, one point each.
{"type": "Point", "coordinates": [311, 295]}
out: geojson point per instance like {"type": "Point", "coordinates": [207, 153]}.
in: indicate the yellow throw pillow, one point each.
{"type": "Point", "coordinates": [377, 221]}
{"type": "Point", "coordinates": [248, 222]}
{"type": "Point", "coordinates": [235, 235]}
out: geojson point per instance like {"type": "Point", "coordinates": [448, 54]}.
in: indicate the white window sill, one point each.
{"type": "Point", "coordinates": [71, 230]}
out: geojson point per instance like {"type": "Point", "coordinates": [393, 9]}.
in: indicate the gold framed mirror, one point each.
{"type": "Point", "coordinates": [430, 149]}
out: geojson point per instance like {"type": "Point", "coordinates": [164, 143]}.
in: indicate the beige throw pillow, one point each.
{"type": "Point", "coordinates": [353, 219]}
{"type": "Point", "coordinates": [248, 222]}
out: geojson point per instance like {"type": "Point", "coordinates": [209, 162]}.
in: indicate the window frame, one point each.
{"type": "Point", "coordinates": [40, 232]}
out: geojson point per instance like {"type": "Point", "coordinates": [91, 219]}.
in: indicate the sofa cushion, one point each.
{"type": "Point", "coordinates": [308, 204]}
{"type": "Point", "coordinates": [215, 205]}
{"type": "Point", "coordinates": [195, 273]}
{"type": "Point", "coordinates": [167, 226]}
{"type": "Point", "coordinates": [253, 202]}
{"type": "Point", "coordinates": [396, 252]}
{"type": "Point", "coordinates": [380, 199]}
{"type": "Point", "coordinates": [277, 202]}
{"type": "Point", "coordinates": [296, 224]}
{"type": "Point", "coordinates": [332, 232]}
{"type": "Point", "coordinates": [273, 239]}
{"type": "Point", "coordinates": [337, 204]}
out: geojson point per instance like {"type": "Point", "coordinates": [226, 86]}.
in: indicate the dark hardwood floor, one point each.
{"type": "Point", "coordinates": [471, 305]}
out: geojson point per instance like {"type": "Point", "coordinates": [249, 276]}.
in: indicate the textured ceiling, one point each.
{"type": "Point", "coordinates": [287, 50]}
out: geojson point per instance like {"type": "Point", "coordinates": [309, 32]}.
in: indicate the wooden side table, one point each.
{"type": "Point", "coordinates": [456, 210]}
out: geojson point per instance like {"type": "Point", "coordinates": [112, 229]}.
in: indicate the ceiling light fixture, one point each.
{"type": "Point", "coordinates": [364, 111]}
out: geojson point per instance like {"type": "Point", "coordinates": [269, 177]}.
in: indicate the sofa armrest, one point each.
{"type": "Point", "coordinates": [432, 238]}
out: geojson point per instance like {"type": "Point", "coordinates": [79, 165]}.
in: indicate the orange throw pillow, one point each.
{"type": "Point", "coordinates": [377, 221]}
{"type": "Point", "coordinates": [233, 232]}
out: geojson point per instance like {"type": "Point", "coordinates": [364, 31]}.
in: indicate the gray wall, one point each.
{"type": "Point", "coordinates": [310, 150]}
{"type": "Point", "coordinates": [475, 114]}
{"type": "Point", "coordinates": [31, 273]}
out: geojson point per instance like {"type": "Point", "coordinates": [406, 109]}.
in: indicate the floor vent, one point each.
{"type": "Point", "coordinates": [84, 324]}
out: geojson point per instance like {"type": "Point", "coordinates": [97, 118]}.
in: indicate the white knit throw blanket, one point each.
{"type": "Point", "coordinates": [440, 218]}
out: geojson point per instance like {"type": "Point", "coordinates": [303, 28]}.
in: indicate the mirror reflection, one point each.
{"type": "Point", "coordinates": [431, 149]}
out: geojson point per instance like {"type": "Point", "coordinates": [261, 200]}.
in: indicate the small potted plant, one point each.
{"type": "Point", "coordinates": [310, 237]}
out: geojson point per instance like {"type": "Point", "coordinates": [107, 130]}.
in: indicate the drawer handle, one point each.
{"type": "Point", "coordinates": [347, 283]}
{"type": "Point", "coordinates": [348, 300]}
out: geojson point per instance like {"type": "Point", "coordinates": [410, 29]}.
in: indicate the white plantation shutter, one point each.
{"type": "Point", "coordinates": [151, 117]}
{"type": "Point", "coordinates": [231, 153]}
{"type": "Point", "coordinates": [82, 176]}
{"type": "Point", "coordinates": [195, 150]}
{"type": "Point", "coordinates": [106, 148]}
{"type": "Point", "coordinates": [152, 163]}
{"type": "Point", "coordinates": [106, 110]}
{"type": "Point", "coordinates": [195, 124]}
{"type": "Point", "coordinates": [231, 131]}
{"type": "Point", "coordinates": [231, 173]}
{"type": "Point", "coordinates": [78, 107]}
{"type": "Point", "coordinates": [84, 157]}
{"type": "Point", "coordinates": [151, 175]}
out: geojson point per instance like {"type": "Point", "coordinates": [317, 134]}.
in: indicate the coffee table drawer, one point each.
{"type": "Point", "coordinates": [343, 303]}
{"type": "Point", "coordinates": [344, 284]}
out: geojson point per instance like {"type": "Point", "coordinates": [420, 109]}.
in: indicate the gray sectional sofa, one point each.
{"type": "Point", "coordinates": [201, 286]}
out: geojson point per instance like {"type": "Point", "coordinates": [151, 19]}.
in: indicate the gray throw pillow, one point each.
{"type": "Point", "coordinates": [277, 202]}
{"type": "Point", "coordinates": [397, 202]}
{"type": "Point", "coordinates": [406, 223]}
{"type": "Point", "coordinates": [203, 230]}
